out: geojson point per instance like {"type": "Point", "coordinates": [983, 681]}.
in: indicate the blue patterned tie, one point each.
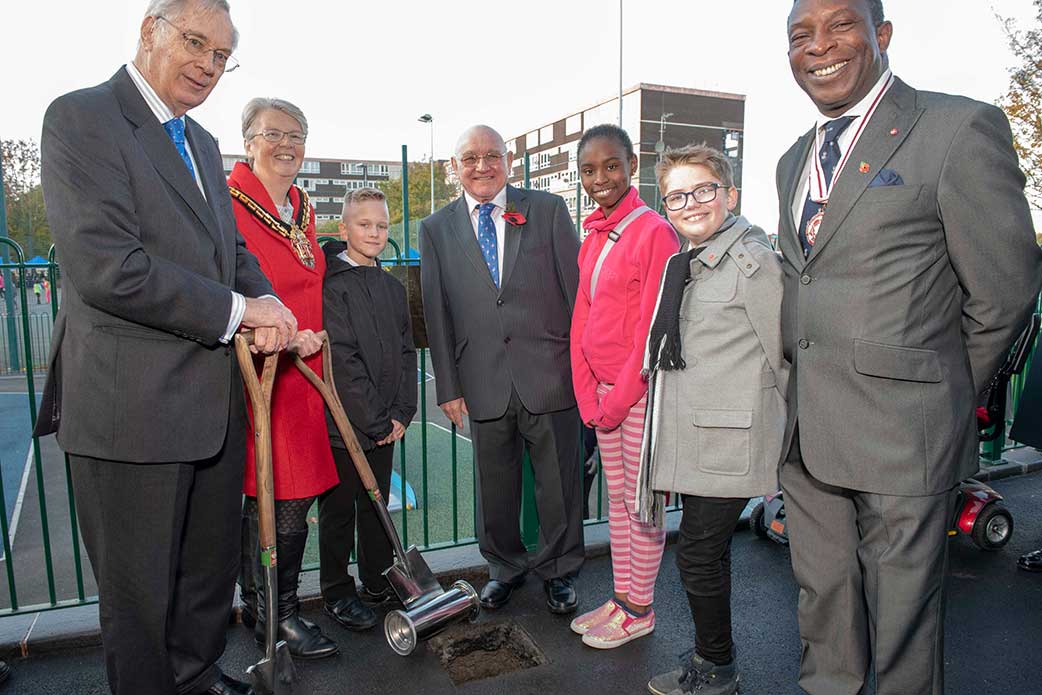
{"type": "Point", "coordinates": [175, 128]}
{"type": "Point", "coordinates": [830, 156]}
{"type": "Point", "coordinates": [487, 239]}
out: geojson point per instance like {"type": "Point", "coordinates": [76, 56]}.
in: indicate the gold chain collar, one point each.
{"type": "Point", "coordinates": [293, 232]}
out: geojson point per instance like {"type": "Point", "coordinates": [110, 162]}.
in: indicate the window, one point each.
{"type": "Point", "coordinates": [229, 162]}
{"type": "Point", "coordinates": [306, 184]}
{"type": "Point", "coordinates": [309, 167]}
{"type": "Point", "coordinates": [544, 159]}
{"type": "Point", "coordinates": [546, 134]}
{"type": "Point", "coordinates": [573, 124]}
{"type": "Point", "coordinates": [532, 140]}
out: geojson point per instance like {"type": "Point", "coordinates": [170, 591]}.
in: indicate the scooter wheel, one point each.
{"type": "Point", "coordinates": [756, 521]}
{"type": "Point", "coordinates": [993, 527]}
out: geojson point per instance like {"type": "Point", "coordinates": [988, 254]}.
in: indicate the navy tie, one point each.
{"type": "Point", "coordinates": [829, 155]}
{"type": "Point", "coordinates": [487, 239]}
{"type": "Point", "coordinates": [175, 128]}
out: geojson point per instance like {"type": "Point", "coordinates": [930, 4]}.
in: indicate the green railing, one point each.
{"type": "Point", "coordinates": [430, 456]}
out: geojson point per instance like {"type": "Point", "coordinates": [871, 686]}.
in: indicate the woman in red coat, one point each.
{"type": "Point", "coordinates": [277, 221]}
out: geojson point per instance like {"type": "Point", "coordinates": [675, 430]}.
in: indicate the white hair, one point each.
{"type": "Point", "coordinates": [170, 9]}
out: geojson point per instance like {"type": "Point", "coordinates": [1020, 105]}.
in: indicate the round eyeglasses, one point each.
{"type": "Point", "coordinates": [706, 193]}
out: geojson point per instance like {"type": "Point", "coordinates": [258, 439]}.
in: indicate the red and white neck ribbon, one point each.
{"type": "Point", "coordinates": [819, 191]}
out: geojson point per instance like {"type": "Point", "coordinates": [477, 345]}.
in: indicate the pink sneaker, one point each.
{"type": "Point", "coordinates": [620, 628]}
{"type": "Point", "coordinates": [584, 622]}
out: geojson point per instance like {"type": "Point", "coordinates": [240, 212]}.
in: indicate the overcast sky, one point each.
{"type": "Point", "coordinates": [364, 71]}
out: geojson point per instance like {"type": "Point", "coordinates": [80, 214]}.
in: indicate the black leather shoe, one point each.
{"type": "Point", "coordinates": [1032, 562]}
{"type": "Point", "coordinates": [560, 595]}
{"type": "Point", "coordinates": [379, 598]}
{"type": "Point", "coordinates": [495, 594]}
{"type": "Point", "coordinates": [303, 638]}
{"type": "Point", "coordinates": [225, 685]}
{"type": "Point", "coordinates": [351, 613]}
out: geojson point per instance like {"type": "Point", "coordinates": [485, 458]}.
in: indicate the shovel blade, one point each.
{"type": "Point", "coordinates": [412, 580]}
{"type": "Point", "coordinates": [273, 676]}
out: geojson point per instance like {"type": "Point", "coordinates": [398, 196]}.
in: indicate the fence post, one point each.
{"type": "Point", "coordinates": [12, 326]}
{"type": "Point", "coordinates": [405, 200]}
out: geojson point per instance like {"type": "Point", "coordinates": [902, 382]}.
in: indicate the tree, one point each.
{"type": "Point", "coordinates": [419, 191]}
{"type": "Point", "coordinates": [1023, 101]}
{"type": "Point", "coordinates": [26, 217]}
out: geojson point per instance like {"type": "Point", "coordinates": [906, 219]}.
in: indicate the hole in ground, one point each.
{"type": "Point", "coordinates": [475, 652]}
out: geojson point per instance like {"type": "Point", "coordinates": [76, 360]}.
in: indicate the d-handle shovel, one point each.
{"type": "Point", "coordinates": [274, 674]}
{"type": "Point", "coordinates": [428, 608]}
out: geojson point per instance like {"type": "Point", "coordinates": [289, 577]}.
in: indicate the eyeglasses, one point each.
{"type": "Point", "coordinates": [273, 135]}
{"type": "Point", "coordinates": [702, 194]}
{"type": "Point", "coordinates": [197, 46]}
{"type": "Point", "coordinates": [469, 161]}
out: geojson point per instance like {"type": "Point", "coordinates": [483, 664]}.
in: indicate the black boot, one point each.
{"type": "Point", "coordinates": [248, 563]}
{"type": "Point", "coordinates": [304, 639]}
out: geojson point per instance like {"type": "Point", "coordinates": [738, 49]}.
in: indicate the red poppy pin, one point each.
{"type": "Point", "coordinates": [864, 168]}
{"type": "Point", "coordinates": [512, 216]}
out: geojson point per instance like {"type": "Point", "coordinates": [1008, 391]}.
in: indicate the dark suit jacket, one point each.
{"type": "Point", "coordinates": [137, 370]}
{"type": "Point", "coordinates": [910, 297]}
{"type": "Point", "coordinates": [485, 340]}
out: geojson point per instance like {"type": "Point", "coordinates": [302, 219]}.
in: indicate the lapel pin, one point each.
{"type": "Point", "coordinates": [864, 168]}
{"type": "Point", "coordinates": [893, 131]}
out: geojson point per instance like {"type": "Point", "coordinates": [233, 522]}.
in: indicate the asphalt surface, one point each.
{"type": "Point", "coordinates": [993, 632]}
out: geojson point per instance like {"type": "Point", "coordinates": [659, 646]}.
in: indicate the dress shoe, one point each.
{"type": "Point", "coordinates": [351, 613]}
{"type": "Point", "coordinates": [225, 685]}
{"type": "Point", "coordinates": [497, 593]}
{"type": "Point", "coordinates": [1032, 562]}
{"type": "Point", "coordinates": [378, 598]}
{"type": "Point", "coordinates": [303, 638]}
{"type": "Point", "coordinates": [560, 595]}
{"type": "Point", "coordinates": [5, 671]}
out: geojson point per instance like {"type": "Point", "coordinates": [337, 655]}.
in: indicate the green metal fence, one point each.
{"type": "Point", "coordinates": [432, 456]}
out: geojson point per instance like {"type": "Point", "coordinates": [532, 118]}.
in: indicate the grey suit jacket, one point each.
{"type": "Point", "coordinates": [716, 427]}
{"type": "Point", "coordinates": [910, 297]}
{"type": "Point", "coordinates": [137, 370]}
{"type": "Point", "coordinates": [485, 340]}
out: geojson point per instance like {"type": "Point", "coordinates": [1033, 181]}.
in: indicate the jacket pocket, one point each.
{"type": "Point", "coordinates": [141, 333]}
{"type": "Point", "coordinates": [722, 441]}
{"type": "Point", "coordinates": [887, 195]}
{"type": "Point", "coordinates": [896, 362]}
{"type": "Point", "coordinates": [717, 285]}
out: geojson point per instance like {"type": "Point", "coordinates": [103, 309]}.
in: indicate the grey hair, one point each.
{"type": "Point", "coordinates": [359, 195]}
{"type": "Point", "coordinates": [172, 8]}
{"type": "Point", "coordinates": [257, 105]}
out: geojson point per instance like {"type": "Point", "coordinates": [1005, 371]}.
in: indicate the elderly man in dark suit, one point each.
{"type": "Point", "coordinates": [499, 275]}
{"type": "Point", "coordinates": [143, 390]}
{"type": "Point", "coordinates": [910, 267]}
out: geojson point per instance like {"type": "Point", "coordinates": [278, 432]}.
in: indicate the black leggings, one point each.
{"type": "Point", "coordinates": [704, 561]}
{"type": "Point", "coordinates": [290, 515]}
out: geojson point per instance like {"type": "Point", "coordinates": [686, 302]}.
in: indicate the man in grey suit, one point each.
{"type": "Point", "coordinates": [499, 275]}
{"type": "Point", "coordinates": [143, 390]}
{"type": "Point", "coordinates": [910, 267]}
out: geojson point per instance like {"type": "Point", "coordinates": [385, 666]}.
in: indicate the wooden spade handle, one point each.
{"type": "Point", "coordinates": [259, 391]}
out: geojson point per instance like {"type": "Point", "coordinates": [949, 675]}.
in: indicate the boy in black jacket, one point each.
{"type": "Point", "coordinates": [374, 365]}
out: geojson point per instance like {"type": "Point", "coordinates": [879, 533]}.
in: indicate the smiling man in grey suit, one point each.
{"type": "Point", "coordinates": [910, 267]}
{"type": "Point", "coordinates": [499, 274]}
{"type": "Point", "coordinates": [143, 390]}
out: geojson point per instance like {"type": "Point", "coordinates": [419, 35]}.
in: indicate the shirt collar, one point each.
{"type": "Point", "coordinates": [352, 262]}
{"type": "Point", "coordinates": [161, 111]}
{"type": "Point", "coordinates": [500, 201]}
{"type": "Point", "coordinates": [861, 108]}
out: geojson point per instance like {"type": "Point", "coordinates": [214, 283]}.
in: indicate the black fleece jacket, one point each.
{"type": "Point", "coordinates": [366, 315]}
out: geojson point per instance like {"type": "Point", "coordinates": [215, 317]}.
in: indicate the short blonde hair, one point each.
{"type": "Point", "coordinates": [359, 195]}
{"type": "Point", "coordinates": [695, 155]}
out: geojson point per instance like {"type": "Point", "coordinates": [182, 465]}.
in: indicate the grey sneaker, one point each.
{"type": "Point", "coordinates": [696, 675]}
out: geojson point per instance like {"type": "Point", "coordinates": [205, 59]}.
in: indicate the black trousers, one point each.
{"type": "Point", "coordinates": [163, 541]}
{"type": "Point", "coordinates": [337, 510]}
{"type": "Point", "coordinates": [553, 441]}
{"type": "Point", "coordinates": [704, 561]}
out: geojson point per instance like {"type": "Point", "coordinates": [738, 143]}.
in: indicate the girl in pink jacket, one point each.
{"type": "Point", "coordinates": [620, 267]}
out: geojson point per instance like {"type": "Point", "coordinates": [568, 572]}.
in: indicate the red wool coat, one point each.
{"type": "Point", "coordinates": [302, 460]}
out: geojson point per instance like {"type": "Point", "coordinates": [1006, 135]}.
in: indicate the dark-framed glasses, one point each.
{"type": "Point", "coordinates": [274, 135]}
{"type": "Point", "coordinates": [470, 160]}
{"type": "Point", "coordinates": [222, 59]}
{"type": "Point", "coordinates": [706, 193]}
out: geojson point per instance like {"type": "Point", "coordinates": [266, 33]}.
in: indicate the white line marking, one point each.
{"type": "Point", "coordinates": [16, 514]}
{"type": "Point", "coordinates": [446, 429]}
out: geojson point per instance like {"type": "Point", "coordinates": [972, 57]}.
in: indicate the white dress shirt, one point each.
{"type": "Point", "coordinates": [500, 201]}
{"type": "Point", "coordinates": [858, 111]}
{"type": "Point", "coordinates": [163, 114]}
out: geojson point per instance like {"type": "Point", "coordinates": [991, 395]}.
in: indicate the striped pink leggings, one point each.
{"type": "Point", "coordinates": [636, 548]}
